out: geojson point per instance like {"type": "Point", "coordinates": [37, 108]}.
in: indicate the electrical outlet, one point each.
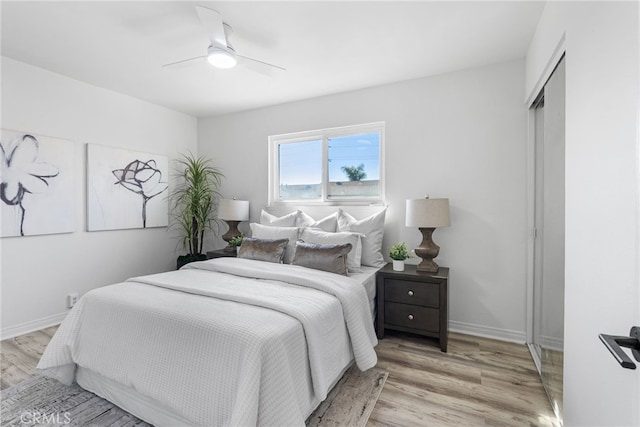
{"type": "Point", "coordinates": [72, 299]}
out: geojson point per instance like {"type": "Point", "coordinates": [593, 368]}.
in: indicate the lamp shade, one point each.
{"type": "Point", "coordinates": [233, 210]}
{"type": "Point", "coordinates": [427, 213]}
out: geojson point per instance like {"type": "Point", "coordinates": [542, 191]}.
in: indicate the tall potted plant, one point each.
{"type": "Point", "coordinates": [193, 203]}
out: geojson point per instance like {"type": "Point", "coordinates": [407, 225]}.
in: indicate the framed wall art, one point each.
{"type": "Point", "coordinates": [126, 189]}
{"type": "Point", "coordinates": [38, 184]}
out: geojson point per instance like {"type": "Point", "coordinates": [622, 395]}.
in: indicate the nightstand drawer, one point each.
{"type": "Point", "coordinates": [410, 292]}
{"type": "Point", "coordinates": [412, 316]}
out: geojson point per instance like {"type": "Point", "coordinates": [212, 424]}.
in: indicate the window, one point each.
{"type": "Point", "coordinates": [328, 166]}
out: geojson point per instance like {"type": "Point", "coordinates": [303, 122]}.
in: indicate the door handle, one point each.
{"type": "Point", "coordinates": [615, 343]}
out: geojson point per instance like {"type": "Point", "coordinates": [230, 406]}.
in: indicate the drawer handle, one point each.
{"type": "Point", "coordinates": [410, 317]}
{"type": "Point", "coordinates": [410, 293]}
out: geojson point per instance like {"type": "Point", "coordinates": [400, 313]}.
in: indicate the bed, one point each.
{"type": "Point", "coordinates": [228, 341]}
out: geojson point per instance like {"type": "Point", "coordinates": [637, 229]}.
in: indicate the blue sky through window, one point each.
{"type": "Point", "coordinates": [301, 162]}
{"type": "Point", "coordinates": [354, 150]}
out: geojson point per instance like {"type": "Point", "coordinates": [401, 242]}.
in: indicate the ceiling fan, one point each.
{"type": "Point", "coordinates": [220, 53]}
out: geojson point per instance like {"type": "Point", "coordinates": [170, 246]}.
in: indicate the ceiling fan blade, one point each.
{"type": "Point", "coordinates": [214, 27]}
{"type": "Point", "coordinates": [183, 61]}
{"type": "Point", "coordinates": [262, 62]}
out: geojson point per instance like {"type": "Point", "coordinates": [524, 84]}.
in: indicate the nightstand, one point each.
{"type": "Point", "coordinates": [412, 301]}
{"type": "Point", "coordinates": [221, 253]}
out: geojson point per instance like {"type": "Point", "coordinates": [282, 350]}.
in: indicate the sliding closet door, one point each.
{"type": "Point", "coordinates": [549, 244]}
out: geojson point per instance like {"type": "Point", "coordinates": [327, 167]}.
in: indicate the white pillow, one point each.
{"type": "Point", "coordinates": [288, 220]}
{"type": "Point", "coordinates": [270, 232]}
{"type": "Point", "coordinates": [329, 223]}
{"type": "Point", "coordinates": [372, 229]}
{"type": "Point", "coordinates": [311, 235]}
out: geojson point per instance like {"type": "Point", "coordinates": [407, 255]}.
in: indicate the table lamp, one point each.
{"type": "Point", "coordinates": [232, 211]}
{"type": "Point", "coordinates": [427, 214]}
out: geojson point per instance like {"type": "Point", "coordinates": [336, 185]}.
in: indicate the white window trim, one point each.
{"type": "Point", "coordinates": [323, 135]}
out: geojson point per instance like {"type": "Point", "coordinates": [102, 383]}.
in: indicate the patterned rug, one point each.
{"type": "Point", "coordinates": [43, 401]}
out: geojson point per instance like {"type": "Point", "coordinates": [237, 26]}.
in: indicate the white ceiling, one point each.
{"type": "Point", "coordinates": [326, 47]}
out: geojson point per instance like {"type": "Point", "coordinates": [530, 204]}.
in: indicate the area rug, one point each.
{"type": "Point", "coordinates": [43, 401]}
{"type": "Point", "coordinates": [351, 401]}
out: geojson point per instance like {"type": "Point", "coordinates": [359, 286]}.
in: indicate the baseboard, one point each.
{"type": "Point", "coordinates": [552, 343]}
{"type": "Point", "coordinates": [31, 326]}
{"type": "Point", "coordinates": [519, 337]}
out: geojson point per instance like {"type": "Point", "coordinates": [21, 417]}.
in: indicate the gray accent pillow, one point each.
{"type": "Point", "coordinates": [270, 232]}
{"type": "Point", "coordinates": [332, 258]}
{"type": "Point", "coordinates": [311, 235]}
{"type": "Point", "coordinates": [270, 250]}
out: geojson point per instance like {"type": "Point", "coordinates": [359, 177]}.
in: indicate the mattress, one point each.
{"type": "Point", "coordinates": [367, 278]}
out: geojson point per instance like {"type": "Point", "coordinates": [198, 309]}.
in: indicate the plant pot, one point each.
{"type": "Point", "coordinates": [398, 265]}
{"type": "Point", "coordinates": [186, 259]}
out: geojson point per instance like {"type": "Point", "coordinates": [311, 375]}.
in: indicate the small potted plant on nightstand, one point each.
{"type": "Point", "coordinates": [398, 254]}
{"type": "Point", "coordinates": [235, 243]}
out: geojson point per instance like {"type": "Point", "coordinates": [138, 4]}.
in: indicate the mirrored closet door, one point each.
{"type": "Point", "coordinates": [548, 294]}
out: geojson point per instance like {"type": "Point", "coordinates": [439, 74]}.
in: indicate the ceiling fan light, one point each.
{"type": "Point", "coordinates": [221, 58]}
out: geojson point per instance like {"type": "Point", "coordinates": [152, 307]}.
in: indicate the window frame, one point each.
{"type": "Point", "coordinates": [324, 135]}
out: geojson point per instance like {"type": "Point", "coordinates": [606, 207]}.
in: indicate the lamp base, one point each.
{"type": "Point", "coordinates": [427, 251]}
{"type": "Point", "coordinates": [231, 234]}
{"type": "Point", "coordinates": [428, 266]}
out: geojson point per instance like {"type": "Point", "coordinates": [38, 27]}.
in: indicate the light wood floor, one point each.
{"type": "Point", "coordinates": [479, 382]}
{"type": "Point", "coordinates": [19, 356]}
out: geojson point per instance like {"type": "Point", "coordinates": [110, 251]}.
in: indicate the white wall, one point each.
{"type": "Point", "coordinates": [39, 271]}
{"type": "Point", "coordinates": [602, 284]}
{"type": "Point", "coordinates": [459, 135]}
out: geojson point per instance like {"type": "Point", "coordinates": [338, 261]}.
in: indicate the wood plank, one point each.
{"type": "Point", "coordinates": [478, 382]}
{"type": "Point", "coordinates": [32, 344]}
{"type": "Point", "coordinates": [16, 364]}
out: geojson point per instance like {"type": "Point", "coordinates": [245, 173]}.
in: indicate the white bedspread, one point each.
{"type": "Point", "coordinates": [221, 342]}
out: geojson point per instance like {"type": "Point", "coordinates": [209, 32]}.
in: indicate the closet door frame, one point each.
{"type": "Point", "coordinates": [535, 246]}
{"type": "Point", "coordinates": [530, 101]}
